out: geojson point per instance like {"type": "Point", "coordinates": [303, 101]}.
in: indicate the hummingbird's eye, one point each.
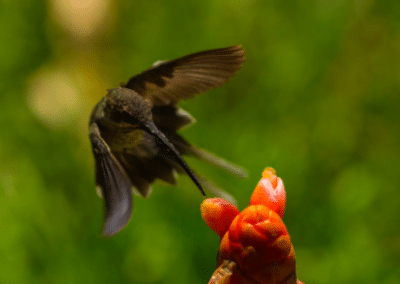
{"type": "Point", "coordinates": [126, 117]}
{"type": "Point", "coordinates": [115, 115]}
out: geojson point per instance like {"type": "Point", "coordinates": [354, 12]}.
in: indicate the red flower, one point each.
{"type": "Point", "coordinates": [255, 245]}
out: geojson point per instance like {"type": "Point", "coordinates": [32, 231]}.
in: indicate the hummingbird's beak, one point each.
{"type": "Point", "coordinates": [170, 151]}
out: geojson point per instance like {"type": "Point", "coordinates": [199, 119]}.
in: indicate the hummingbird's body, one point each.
{"type": "Point", "coordinates": [133, 129]}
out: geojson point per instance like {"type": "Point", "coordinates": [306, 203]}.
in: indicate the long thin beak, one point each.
{"type": "Point", "coordinates": [168, 149]}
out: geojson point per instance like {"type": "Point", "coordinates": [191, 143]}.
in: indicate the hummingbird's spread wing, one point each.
{"type": "Point", "coordinates": [115, 185]}
{"type": "Point", "coordinates": [182, 78]}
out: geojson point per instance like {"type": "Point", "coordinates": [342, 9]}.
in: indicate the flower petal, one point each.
{"type": "Point", "coordinates": [218, 214]}
{"type": "Point", "coordinates": [270, 192]}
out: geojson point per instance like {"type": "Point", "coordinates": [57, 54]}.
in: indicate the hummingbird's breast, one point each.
{"type": "Point", "coordinates": [131, 140]}
{"type": "Point", "coordinates": [122, 139]}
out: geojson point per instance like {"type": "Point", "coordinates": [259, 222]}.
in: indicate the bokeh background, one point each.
{"type": "Point", "coordinates": [317, 99]}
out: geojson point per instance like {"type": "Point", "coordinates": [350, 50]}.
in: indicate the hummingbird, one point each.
{"type": "Point", "coordinates": [133, 130]}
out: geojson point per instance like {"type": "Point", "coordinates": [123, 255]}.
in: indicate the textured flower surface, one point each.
{"type": "Point", "coordinates": [270, 192]}
{"type": "Point", "coordinates": [255, 245]}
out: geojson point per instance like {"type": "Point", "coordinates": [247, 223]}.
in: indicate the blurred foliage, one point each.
{"type": "Point", "coordinates": [317, 99]}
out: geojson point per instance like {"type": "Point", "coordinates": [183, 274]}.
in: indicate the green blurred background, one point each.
{"type": "Point", "coordinates": [317, 99]}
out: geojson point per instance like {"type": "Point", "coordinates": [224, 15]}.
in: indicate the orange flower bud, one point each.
{"type": "Point", "coordinates": [258, 242]}
{"type": "Point", "coordinates": [270, 192]}
{"type": "Point", "coordinates": [218, 214]}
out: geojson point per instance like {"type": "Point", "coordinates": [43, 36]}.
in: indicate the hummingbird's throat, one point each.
{"type": "Point", "coordinates": [125, 139]}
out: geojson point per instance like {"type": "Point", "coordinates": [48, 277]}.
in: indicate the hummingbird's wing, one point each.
{"type": "Point", "coordinates": [115, 185]}
{"type": "Point", "coordinates": [170, 81]}
{"type": "Point", "coordinates": [171, 117]}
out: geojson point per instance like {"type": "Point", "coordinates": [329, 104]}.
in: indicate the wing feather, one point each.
{"type": "Point", "coordinates": [169, 82]}
{"type": "Point", "coordinates": [115, 185]}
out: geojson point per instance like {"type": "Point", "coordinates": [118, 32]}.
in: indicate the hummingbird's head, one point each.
{"type": "Point", "coordinates": [125, 105]}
